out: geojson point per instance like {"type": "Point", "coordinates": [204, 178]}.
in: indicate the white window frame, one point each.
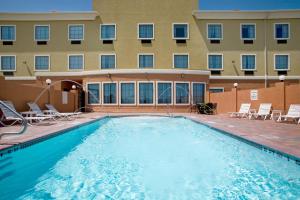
{"type": "Point", "coordinates": [120, 97]}
{"type": "Point", "coordinates": [175, 92]}
{"type": "Point", "coordinates": [217, 88]}
{"type": "Point", "coordinates": [241, 32]}
{"type": "Point", "coordinates": [208, 34]}
{"type": "Point", "coordinates": [8, 70]}
{"type": "Point", "coordinates": [289, 61]}
{"type": "Point", "coordinates": [82, 62]}
{"type": "Point", "coordinates": [188, 31]}
{"type": "Point", "coordinates": [117, 93]}
{"type": "Point", "coordinates": [145, 54]}
{"type": "Point", "coordinates": [172, 93]}
{"type": "Point", "coordinates": [192, 91]}
{"type": "Point", "coordinates": [49, 63]}
{"type": "Point", "coordinates": [215, 54]}
{"type": "Point", "coordinates": [44, 25]}
{"type": "Point", "coordinates": [107, 54]}
{"type": "Point", "coordinates": [108, 24]}
{"type": "Point", "coordinates": [289, 37]}
{"type": "Point", "coordinates": [14, 33]}
{"type": "Point", "coordinates": [138, 93]}
{"type": "Point", "coordinates": [83, 30]}
{"type": "Point", "coordinates": [100, 92]}
{"type": "Point", "coordinates": [138, 31]}
{"type": "Point", "coordinates": [181, 54]}
{"type": "Point", "coordinates": [241, 61]}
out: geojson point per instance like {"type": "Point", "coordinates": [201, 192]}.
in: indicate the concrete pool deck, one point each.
{"type": "Point", "coordinates": [283, 137]}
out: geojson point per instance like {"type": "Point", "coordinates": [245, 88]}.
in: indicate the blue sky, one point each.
{"type": "Point", "coordinates": [84, 5]}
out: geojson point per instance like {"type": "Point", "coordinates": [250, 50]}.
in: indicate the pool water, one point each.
{"type": "Point", "coordinates": [146, 158]}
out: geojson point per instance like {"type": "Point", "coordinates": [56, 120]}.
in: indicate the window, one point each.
{"type": "Point", "coordinates": [146, 60]}
{"type": "Point", "coordinates": [282, 62]}
{"type": "Point", "coordinates": [214, 31]}
{"type": "Point", "coordinates": [248, 31]}
{"type": "Point", "coordinates": [164, 93]}
{"type": "Point", "coordinates": [180, 31]}
{"type": "Point", "coordinates": [198, 91]}
{"type": "Point", "coordinates": [215, 62]}
{"type": "Point", "coordinates": [41, 62]}
{"type": "Point", "coordinates": [182, 93]}
{"type": "Point", "coordinates": [248, 62]}
{"type": "Point", "coordinates": [110, 93]}
{"type": "Point", "coordinates": [76, 32]}
{"type": "Point", "coordinates": [146, 93]}
{"type": "Point", "coordinates": [146, 31]}
{"type": "Point", "coordinates": [93, 93]}
{"type": "Point", "coordinates": [108, 61]}
{"type": "Point", "coordinates": [8, 63]}
{"type": "Point", "coordinates": [127, 93]}
{"type": "Point", "coordinates": [76, 62]}
{"type": "Point", "coordinates": [181, 61]}
{"type": "Point", "coordinates": [41, 32]}
{"type": "Point", "coordinates": [216, 89]}
{"type": "Point", "coordinates": [108, 32]}
{"type": "Point", "coordinates": [8, 32]}
{"type": "Point", "coordinates": [282, 31]}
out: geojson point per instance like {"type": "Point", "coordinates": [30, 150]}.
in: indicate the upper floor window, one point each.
{"type": "Point", "coordinates": [41, 62]}
{"type": "Point", "coordinates": [215, 61]}
{"type": "Point", "coordinates": [282, 31]}
{"type": "Point", "coordinates": [76, 62]}
{"type": "Point", "coordinates": [41, 32]}
{"type": "Point", "coordinates": [146, 60]}
{"type": "Point", "coordinates": [108, 32]}
{"type": "Point", "coordinates": [248, 31]}
{"type": "Point", "coordinates": [146, 31]}
{"type": "Point", "coordinates": [8, 32]}
{"type": "Point", "coordinates": [248, 62]}
{"type": "Point", "coordinates": [8, 63]}
{"type": "Point", "coordinates": [108, 61]}
{"type": "Point", "coordinates": [181, 61]}
{"type": "Point", "coordinates": [76, 32]}
{"type": "Point", "coordinates": [180, 31]}
{"type": "Point", "coordinates": [214, 31]}
{"type": "Point", "coordinates": [282, 62]}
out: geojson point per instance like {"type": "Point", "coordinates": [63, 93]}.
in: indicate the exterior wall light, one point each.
{"type": "Point", "coordinates": [73, 87]}
{"type": "Point", "coordinates": [235, 85]}
{"type": "Point", "coordinates": [48, 81]}
{"type": "Point", "coordinates": [282, 78]}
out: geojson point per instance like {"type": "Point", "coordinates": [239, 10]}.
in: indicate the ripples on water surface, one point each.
{"type": "Point", "coordinates": [146, 158]}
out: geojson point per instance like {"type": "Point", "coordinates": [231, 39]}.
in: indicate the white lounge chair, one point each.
{"type": "Point", "coordinates": [293, 113]}
{"type": "Point", "coordinates": [54, 111]}
{"type": "Point", "coordinates": [264, 111]}
{"type": "Point", "coordinates": [39, 113]}
{"type": "Point", "coordinates": [243, 112]}
{"type": "Point", "coordinates": [8, 115]}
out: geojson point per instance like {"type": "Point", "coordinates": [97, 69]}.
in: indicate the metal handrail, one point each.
{"type": "Point", "coordinates": [24, 121]}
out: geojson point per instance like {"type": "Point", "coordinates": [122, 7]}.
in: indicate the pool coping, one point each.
{"type": "Point", "coordinates": [263, 147]}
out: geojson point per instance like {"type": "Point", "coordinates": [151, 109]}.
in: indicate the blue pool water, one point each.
{"type": "Point", "coordinates": [146, 158]}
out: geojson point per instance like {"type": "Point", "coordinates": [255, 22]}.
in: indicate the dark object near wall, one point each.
{"type": "Point", "coordinates": [207, 108]}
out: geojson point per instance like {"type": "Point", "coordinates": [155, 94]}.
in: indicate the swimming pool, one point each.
{"type": "Point", "coordinates": [146, 158]}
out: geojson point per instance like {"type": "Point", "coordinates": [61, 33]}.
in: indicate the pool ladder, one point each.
{"type": "Point", "coordinates": [24, 121]}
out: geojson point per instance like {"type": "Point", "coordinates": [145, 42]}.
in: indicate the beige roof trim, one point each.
{"type": "Point", "coordinates": [20, 78]}
{"type": "Point", "coordinates": [237, 14]}
{"type": "Point", "coordinates": [124, 71]}
{"type": "Point", "coordinates": [48, 16]}
{"type": "Point", "coordinates": [252, 77]}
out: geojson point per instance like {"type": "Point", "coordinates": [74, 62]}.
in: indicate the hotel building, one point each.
{"type": "Point", "coordinates": [149, 55]}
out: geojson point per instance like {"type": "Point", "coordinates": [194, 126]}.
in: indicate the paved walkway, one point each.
{"type": "Point", "coordinates": [284, 137]}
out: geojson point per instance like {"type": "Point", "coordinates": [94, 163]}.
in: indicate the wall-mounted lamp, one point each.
{"type": "Point", "coordinates": [73, 87]}
{"type": "Point", "coordinates": [282, 78]}
{"type": "Point", "coordinates": [235, 85]}
{"type": "Point", "coordinates": [48, 81]}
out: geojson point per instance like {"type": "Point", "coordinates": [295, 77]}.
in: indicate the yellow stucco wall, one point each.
{"type": "Point", "coordinates": [127, 15]}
